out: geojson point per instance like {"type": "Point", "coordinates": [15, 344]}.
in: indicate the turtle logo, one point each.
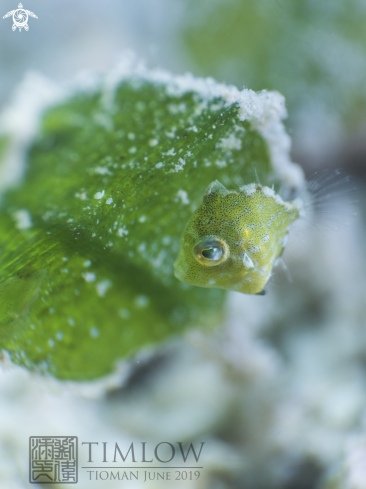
{"type": "Point", "coordinates": [20, 18]}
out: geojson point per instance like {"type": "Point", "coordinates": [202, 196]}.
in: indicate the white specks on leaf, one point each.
{"type": "Point", "coordinates": [101, 170]}
{"type": "Point", "coordinates": [179, 166]}
{"type": "Point", "coordinates": [220, 163]}
{"type": "Point", "coordinates": [142, 218]}
{"type": "Point", "coordinates": [142, 247]}
{"type": "Point", "coordinates": [109, 201]}
{"type": "Point", "coordinates": [249, 189]}
{"type": "Point", "coordinates": [229, 143]}
{"type": "Point", "coordinates": [183, 196]}
{"type": "Point", "coordinates": [23, 219]}
{"type": "Point", "coordinates": [122, 232]}
{"type": "Point", "coordinates": [99, 195]}
{"type": "Point", "coordinates": [177, 108]}
{"type": "Point", "coordinates": [94, 332]}
{"type": "Point", "coordinates": [89, 276]}
{"type": "Point", "coordinates": [159, 165]}
{"type": "Point", "coordinates": [268, 192]}
{"type": "Point", "coordinates": [124, 313]}
{"type": "Point", "coordinates": [102, 287]}
{"type": "Point", "coordinates": [171, 134]}
{"type": "Point", "coordinates": [81, 195]}
{"type": "Point", "coordinates": [153, 142]}
{"type": "Point", "coordinates": [142, 301]}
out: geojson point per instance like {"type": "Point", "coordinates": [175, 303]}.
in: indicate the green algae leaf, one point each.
{"type": "Point", "coordinates": [90, 232]}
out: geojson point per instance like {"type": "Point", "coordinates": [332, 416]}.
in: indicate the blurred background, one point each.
{"type": "Point", "coordinates": [279, 393]}
{"type": "Point", "coordinates": [313, 52]}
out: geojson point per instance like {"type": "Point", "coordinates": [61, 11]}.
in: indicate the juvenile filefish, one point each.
{"type": "Point", "coordinates": [234, 238]}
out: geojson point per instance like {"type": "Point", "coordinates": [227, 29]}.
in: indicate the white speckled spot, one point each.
{"type": "Point", "coordinates": [101, 170]}
{"type": "Point", "coordinates": [124, 313]}
{"type": "Point", "coordinates": [142, 218]}
{"type": "Point", "coordinates": [142, 301]}
{"type": "Point", "coordinates": [102, 287]}
{"type": "Point", "coordinates": [159, 165]}
{"type": "Point", "coordinates": [99, 195]}
{"type": "Point", "coordinates": [89, 276]}
{"type": "Point", "coordinates": [59, 335]}
{"type": "Point", "coordinates": [268, 192]}
{"type": "Point", "coordinates": [109, 201]}
{"type": "Point", "coordinates": [81, 195]}
{"type": "Point", "coordinates": [230, 143]}
{"type": "Point", "coordinates": [182, 194]}
{"type": "Point", "coordinates": [23, 219]}
{"type": "Point", "coordinates": [220, 163]}
{"type": "Point", "coordinates": [248, 189]}
{"type": "Point", "coordinates": [180, 165]}
{"type": "Point", "coordinates": [87, 263]}
{"type": "Point", "coordinates": [122, 231]}
{"type": "Point", "coordinates": [94, 332]}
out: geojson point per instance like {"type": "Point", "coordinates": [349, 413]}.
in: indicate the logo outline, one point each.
{"type": "Point", "coordinates": [49, 462]}
{"type": "Point", "coordinates": [20, 18]}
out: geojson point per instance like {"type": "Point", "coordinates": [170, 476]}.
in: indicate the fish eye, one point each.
{"type": "Point", "coordinates": [211, 252]}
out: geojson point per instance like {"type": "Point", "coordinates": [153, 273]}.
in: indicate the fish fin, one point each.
{"type": "Point", "coordinates": [330, 197]}
{"type": "Point", "coordinates": [281, 276]}
{"type": "Point", "coordinates": [216, 188]}
{"type": "Point", "coordinates": [262, 292]}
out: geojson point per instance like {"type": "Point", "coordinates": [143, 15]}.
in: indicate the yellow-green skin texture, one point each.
{"type": "Point", "coordinates": [254, 223]}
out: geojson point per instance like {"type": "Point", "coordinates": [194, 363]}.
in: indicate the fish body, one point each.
{"type": "Point", "coordinates": [234, 238]}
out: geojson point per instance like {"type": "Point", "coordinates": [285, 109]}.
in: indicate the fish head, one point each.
{"type": "Point", "coordinates": [233, 238]}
